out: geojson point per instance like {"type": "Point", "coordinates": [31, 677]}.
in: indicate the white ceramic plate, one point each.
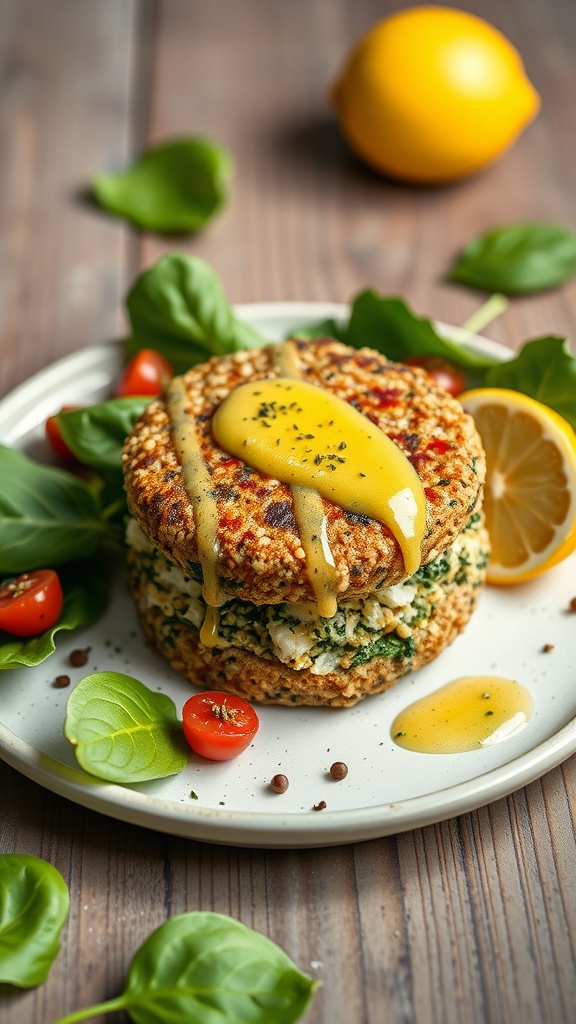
{"type": "Point", "coordinates": [387, 789]}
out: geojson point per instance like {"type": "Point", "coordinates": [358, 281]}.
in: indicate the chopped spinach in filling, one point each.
{"type": "Point", "coordinates": [380, 624]}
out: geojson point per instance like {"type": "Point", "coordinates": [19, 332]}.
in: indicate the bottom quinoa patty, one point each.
{"type": "Point", "coordinates": [286, 654]}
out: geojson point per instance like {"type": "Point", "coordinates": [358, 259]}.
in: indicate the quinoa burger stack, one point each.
{"type": "Point", "coordinates": [307, 522]}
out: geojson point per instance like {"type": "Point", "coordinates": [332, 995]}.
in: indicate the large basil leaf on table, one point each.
{"type": "Point", "coordinates": [177, 186]}
{"type": "Point", "coordinates": [34, 903]}
{"type": "Point", "coordinates": [518, 258]}
{"type": "Point", "coordinates": [179, 308]}
{"type": "Point", "coordinates": [208, 968]}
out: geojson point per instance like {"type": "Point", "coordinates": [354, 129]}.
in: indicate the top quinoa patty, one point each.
{"type": "Point", "coordinates": [260, 557]}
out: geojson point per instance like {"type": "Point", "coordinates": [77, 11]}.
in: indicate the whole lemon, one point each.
{"type": "Point", "coordinates": [431, 94]}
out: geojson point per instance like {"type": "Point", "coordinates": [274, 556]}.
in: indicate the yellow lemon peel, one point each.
{"type": "Point", "coordinates": [432, 94]}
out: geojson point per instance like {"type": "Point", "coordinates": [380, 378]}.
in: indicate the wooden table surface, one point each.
{"type": "Point", "coordinates": [471, 920]}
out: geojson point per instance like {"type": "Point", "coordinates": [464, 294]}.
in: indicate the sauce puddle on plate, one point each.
{"type": "Point", "coordinates": [466, 714]}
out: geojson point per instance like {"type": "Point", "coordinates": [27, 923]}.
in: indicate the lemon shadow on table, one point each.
{"type": "Point", "coordinates": [314, 143]}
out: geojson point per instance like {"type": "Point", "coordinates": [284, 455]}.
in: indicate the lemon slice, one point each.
{"type": "Point", "coordinates": [530, 491]}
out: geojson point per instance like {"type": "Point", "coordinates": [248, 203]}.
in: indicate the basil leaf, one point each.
{"type": "Point", "coordinates": [85, 595]}
{"type": "Point", "coordinates": [122, 731]}
{"type": "Point", "coordinates": [390, 327]}
{"type": "Point", "coordinates": [179, 308]}
{"type": "Point", "coordinates": [207, 967]}
{"type": "Point", "coordinates": [324, 329]}
{"type": "Point", "coordinates": [34, 904]}
{"type": "Point", "coordinates": [95, 434]}
{"type": "Point", "coordinates": [525, 257]}
{"type": "Point", "coordinates": [47, 516]}
{"type": "Point", "coordinates": [175, 187]}
{"type": "Point", "coordinates": [544, 369]}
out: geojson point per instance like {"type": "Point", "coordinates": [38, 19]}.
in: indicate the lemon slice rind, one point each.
{"type": "Point", "coordinates": [560, 434]}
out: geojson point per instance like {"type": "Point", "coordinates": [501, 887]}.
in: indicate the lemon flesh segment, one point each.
{"type": "Point", "coordinates": [431, 94]}
{"type": "Point", "coordinates": [530, 489]}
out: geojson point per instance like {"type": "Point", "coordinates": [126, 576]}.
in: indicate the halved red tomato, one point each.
{"type": "Point", "coordinates": [146, 374]}
{"type": "Point", "coordinates": [444, 373]}
{"type": "Point", "coordinates": [219, 725]}
{"type": "Point", "coordinates": [54, 437]}
{"type": "Point", "coordinates": [31, 603]}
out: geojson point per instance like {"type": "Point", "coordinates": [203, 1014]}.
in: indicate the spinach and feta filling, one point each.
{"type": "Point", "coordinates": [380, 624]}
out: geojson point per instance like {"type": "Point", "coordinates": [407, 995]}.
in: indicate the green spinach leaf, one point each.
{"type": "Point", "coordinates": [47, 516]}
{"type": "Point", "coordinates": [85, 595]}
{"type": "Point", "coordinates": [208, 968]}
{"type": "Point", "coordinates": [174, 187]}
{"type": "Point", "coordinates": [178, 307]}
{"type": "Point", "coordinates": [122, 731]}
{"type": "Point", "coordinates": [544, 369]}
{"type": "Point", "coordinates": [34, 904]}
{"type": "Point", "coordinates": [388, 646]}
{"type": "Point", "coordinates": [390, 327]}
{"type": "Point", "coordinates": [324, 329]}
{"type": "Point", "coordinates": [525, 257]}
{"type": "Point", "coordinates": [95, 434]}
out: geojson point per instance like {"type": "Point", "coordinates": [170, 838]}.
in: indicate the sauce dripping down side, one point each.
{"type": "Point", "coordinates": [466, 714]}
{"type": "Point", "coordinates": [198, 484]}
{"type": "Point", "coordinates": [309, 510]}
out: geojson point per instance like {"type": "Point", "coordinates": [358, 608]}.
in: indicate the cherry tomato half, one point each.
{"type": "Point", "coordinates": [54, 437]}
{"type": "Point", "coordinates": [31, 603]}
{"type": "Point", "coordinates": [219, 725]}
{"type": "Point", "coordinates": [441, 371]}
{"type": "Point", "coordinates": [146, 374]}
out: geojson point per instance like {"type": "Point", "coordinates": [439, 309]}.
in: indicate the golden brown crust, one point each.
{"type": "Point", "coordinates": [268, 681]}
{"type": "Point", "coordinates": [260, 555]}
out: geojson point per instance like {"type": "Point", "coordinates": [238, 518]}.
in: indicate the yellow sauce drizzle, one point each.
{"type": "Point", "coordinates": [311, 523]}
{"type": "Point", "coordinates": [198, 484]}
{"type": "Point", "coordinates": [284, 359]}
{"type": "Point", "coordinates": [309, 511]}
{"type": "Point", "coordinates": [466, 714]}
{"type": "Point", "coordinates": [304, 436]}
{"type": "Point", "coordinates": [209, 629]}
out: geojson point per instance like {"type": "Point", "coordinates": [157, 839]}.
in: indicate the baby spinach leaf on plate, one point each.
{"type": "Point", "coordinates": [95, 434]}
{"type": "Point", "coordinates": [525, 257]}
{"type": "Point", "coordinates": [544, 369]}
{"type": "Point", "coordinates": [209, 968]}
{"type": "Point", "coordinates": [389, 326]}
{"type": "Point", "coordinates": [324, 329]}
{"type": "Point", "coordinates": [47, 516]}
{"type": "Point", "coordinates": [174, 187]}
{"type": "Point", "coordinates": [179, 308]}
{"type": "Point", "coordinates": [34, 903]}
{"type": "Point", "coordinates": [122, 731]}
{"type": "Point", "coordinates": [85, 594]}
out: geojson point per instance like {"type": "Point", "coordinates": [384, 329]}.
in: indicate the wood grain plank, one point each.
{"type": "Point", "coordinates": [64, 115]}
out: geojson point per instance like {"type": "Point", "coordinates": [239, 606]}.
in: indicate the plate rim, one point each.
{"type": "Point", "coordinates": [271, 829]}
